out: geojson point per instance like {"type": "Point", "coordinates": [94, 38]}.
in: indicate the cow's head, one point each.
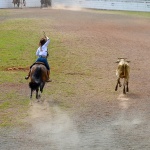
{"type": "Point", "coordinates": [122, 60]}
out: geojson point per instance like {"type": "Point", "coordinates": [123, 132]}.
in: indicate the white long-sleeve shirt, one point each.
{"type": "Point", "coordinates": [42, 51]}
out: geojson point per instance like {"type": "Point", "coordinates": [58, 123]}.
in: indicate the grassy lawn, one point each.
{"type": "Point", "coordinates": [135, 13]}
{"type": "Point", "coordinates": [13, 108]}
{"type": "Point", "coordinates": [131, 13]}
{"type": "Point", "coordinates": [19, 41]}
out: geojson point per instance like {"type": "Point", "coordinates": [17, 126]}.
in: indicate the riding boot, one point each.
{"type": "Point", "coordinates": [27, 77]}
{"type": "Point", "coordinates": [48, 74]}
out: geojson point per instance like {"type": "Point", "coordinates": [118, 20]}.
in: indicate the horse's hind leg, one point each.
{"type": "Point", "coordinates": [31, 93]}
{"type": "Point", "coordinates": [37, 94]}
{"type": "Point", "coordinates": [41, 87]}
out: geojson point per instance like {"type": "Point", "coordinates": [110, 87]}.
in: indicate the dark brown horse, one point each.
{"type": "Point", "coordinates": [16, 2]}
{"type": "Point", "coordinates": [38, 78]}
{"type": "Point", "coordinates": [45, 3]}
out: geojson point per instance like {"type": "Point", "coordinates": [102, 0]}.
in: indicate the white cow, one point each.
{"type": "Point", "coordinates": [122, 72]}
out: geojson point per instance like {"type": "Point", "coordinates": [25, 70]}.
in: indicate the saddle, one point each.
{"type": "Point", "coordinates": [48, 72]}
{"type": "Point", "coordinates": [40, 63]}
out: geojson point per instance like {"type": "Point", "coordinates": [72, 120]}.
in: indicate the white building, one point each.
{"type": "Point", "coordinates": [131, 5]}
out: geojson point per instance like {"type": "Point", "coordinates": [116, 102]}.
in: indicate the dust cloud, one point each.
{"type": "Point", "coordinates": [63, 7]}
{"type": "Point", "coordinates": [53, 128]}
{"type": "Point", "coordinates": [124, 120]}
{"type": "Point", "coordinates": [53, 125]}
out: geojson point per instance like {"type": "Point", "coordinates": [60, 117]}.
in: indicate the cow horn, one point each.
{"type": "Point", "coordinates": [122, 58]}
{"type": "Point", "coordinates": [117, 61]}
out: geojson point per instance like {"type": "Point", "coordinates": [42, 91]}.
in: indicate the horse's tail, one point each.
{"type": "Point", "coordinates": [34, 85]}
{"type": "Point", "coordinates": [36, 79]}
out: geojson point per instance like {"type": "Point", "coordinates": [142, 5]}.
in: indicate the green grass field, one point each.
{"type": "Point", "coordinates": [18, 44]}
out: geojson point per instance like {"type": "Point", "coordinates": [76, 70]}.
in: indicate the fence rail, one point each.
{"type": "Point", "coordinates": [130, 5]}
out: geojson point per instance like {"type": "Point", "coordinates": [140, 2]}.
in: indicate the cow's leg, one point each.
{"type": "Point", "coordinates": [117, 84]}
{"type": "Point", "coordinates": [127, 86]}
{"type": "Point", "coordinates": [124, 87]}
{"type": "Point", "coordinates": [124, 90]}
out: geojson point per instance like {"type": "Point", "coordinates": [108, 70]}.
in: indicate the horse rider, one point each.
{"type": "Point", "coordinates": [24, 2]}
{"type": "Point", "coordinates": [42, 53]}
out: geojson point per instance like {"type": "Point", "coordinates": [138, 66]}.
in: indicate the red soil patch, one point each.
{"type": "Point", "coordinates": [17, 69]}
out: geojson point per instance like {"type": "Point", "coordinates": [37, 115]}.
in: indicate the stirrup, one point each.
{"type": "Point", "coordinates": [27, 77]}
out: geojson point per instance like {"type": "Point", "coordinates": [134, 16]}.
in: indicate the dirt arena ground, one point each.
{"type": "Point", "coordinates": [98, 118]}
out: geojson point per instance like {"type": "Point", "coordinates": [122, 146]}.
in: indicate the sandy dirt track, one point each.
{"type": "Point", "coordinates": [98, 117]}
